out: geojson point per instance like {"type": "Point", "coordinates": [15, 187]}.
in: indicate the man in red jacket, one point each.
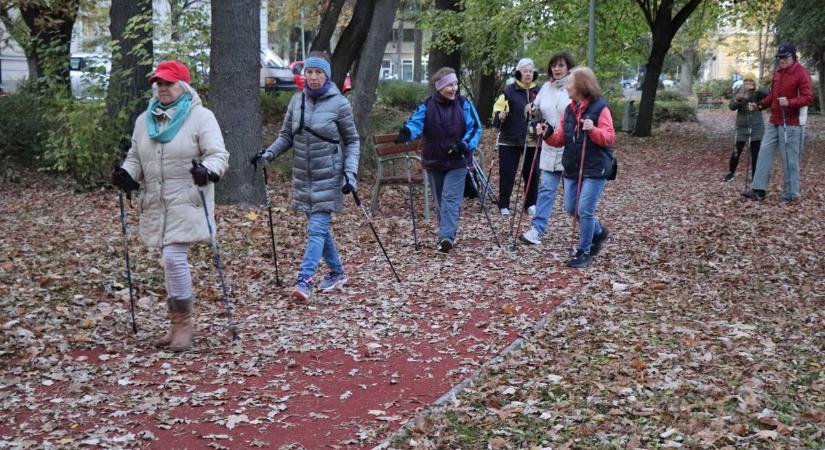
{"type": "Point", "coordinates": [791, 89]}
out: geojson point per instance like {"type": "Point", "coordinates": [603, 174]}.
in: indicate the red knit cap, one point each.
{"type": "Point", "coordinates": [170, 71]}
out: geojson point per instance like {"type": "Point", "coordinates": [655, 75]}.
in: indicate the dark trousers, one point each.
{"type": "Point", "coordinates": [734, 157]}
{"type": "Point", "coordinates": [508, 156]}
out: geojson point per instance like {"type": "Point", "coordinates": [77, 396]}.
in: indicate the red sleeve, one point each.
{"type": "Point", "coordinates": [603, 133]}
{"type": "Point", "coordinates": [557, 138]}
{"type": "Point", "coordinates": [806, 93]}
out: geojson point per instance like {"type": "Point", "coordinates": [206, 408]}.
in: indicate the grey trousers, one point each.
{"type": "Point", "coordinates": [773, 140]}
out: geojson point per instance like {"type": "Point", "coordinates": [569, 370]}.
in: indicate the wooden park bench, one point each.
{"type": "Point", "coordinates": [391, 163]}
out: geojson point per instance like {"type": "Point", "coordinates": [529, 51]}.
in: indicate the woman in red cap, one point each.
{"type": "Point", "coordinates": [173, 131]}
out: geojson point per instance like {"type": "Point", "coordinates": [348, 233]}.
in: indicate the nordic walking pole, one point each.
{"type": "Point", "coordinates": [416, 245]}
{"type": "Point", "coordinates": [217, 261]}
{"type": "Point", "coordinates": [529, 180]}
{"type": "Point", "coordinates": [128, 263]}
{"type": "Point", "coordinates": [518, 188]}
{"type": "Point", "coordinates": [750, 136]}
{"type": "Point", "coordinates": [579, 184]}
{"type": "Point", "coordinates": [488, 189]}
{"type": "Point", "coordinates": [271, 229]}
{"type": "Point", "coordinates": [347, 189]}
{"type": "Point", "coordinates": [473, 179]}
{"type": "Point", "coordinates": [787, 159]}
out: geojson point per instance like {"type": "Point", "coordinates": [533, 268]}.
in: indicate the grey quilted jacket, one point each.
{"type": "Point", "coordinates": [318, 162]}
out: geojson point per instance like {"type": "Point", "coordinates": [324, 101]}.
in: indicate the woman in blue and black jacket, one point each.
{"type": "Point", "coordinates": [511, 113]}
{"type": "Point", "coordinates": [451, 129]}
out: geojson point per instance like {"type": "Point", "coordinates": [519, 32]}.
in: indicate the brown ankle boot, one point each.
{"type": "Point", "coordinates": [167, 339]}
{"type": "Point", "coordinates": [181, 312]}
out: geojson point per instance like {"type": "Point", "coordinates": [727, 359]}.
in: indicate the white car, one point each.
{"type": "Point", "coordinates": [89, 75]}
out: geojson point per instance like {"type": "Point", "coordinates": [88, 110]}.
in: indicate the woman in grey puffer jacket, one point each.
{"type": "Point", "coordinates": [319, 126]}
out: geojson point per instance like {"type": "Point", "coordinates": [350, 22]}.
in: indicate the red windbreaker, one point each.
{"type": "Point", "coordinates": [794, 83]}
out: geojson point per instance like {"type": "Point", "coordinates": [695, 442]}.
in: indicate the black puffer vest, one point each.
{"type": "Point", "coordinates": [598, 160]}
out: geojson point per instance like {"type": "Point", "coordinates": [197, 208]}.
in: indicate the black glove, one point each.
{"type": "Point", "coordinates": [459, 149]}
{"type": "Point", "coordinates": [349, 183]}
{"type": "Point", "coordinates": [404, 135]}
{"type": "Point", "coordinates": [201, 175]}
{"type": "Point", "coordinates": [258, 157]}
{"type": "Point", "coordinates": [124, 181]}
{"type": "Point", "coordinates": [549, 129]}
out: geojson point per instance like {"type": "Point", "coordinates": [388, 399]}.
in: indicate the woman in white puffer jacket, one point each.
{"type": "Point", "coordinates": [551, 101]}
{"type": "Point", "coordinates": [175, 130]}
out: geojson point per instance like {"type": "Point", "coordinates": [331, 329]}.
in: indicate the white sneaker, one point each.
{"type": "Point", "coordinates": [531, 211]}
{"type": "Point", "coordinates": [531, 237]}
{"type": "Point", "coordinates": [504, 211]}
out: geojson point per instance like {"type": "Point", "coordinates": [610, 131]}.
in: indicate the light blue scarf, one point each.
{"type": "Point", "coordinates": [181, 106]}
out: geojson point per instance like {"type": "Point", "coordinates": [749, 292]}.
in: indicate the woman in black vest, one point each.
{"type": "Point", "coordinates": [587, 136]}
{"type": "Point", "coordinates": [511, 113]}
{"type": "Point", "coordinates": [451, 129]}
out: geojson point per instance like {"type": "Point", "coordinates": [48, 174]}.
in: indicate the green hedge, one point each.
{"type": "Point", "coordinates": [25, 122]}
{"type": "Point", "coordinates": [404, 95]}
{"type": "Point", "coordinates": [716, 88]}
{"type": "Point", "coordinates": [274, 105]}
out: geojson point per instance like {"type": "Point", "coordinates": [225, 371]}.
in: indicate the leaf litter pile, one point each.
{"type": "Point", "coordinates": [703, 326]}
{"type": "Point", "coordinates": [699, 326]}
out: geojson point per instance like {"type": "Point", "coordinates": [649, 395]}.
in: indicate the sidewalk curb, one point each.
{"type": "Point", "coordinates": [452, 393]}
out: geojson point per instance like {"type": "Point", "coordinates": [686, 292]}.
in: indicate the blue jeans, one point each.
{"type": "Point", "coordinates": [448, 188]}
{"type": "Point", "coordinates": [591, 192]}
{"type": "Point", "coordinates": [774, 140]}
{"type": "Point", "coordinates": [547, 198]}
{"type": "Point", "coordinates": [319, 243]}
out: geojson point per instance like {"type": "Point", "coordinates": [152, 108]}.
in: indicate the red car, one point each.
{"type": "Point", "coordinates": [297, 68]}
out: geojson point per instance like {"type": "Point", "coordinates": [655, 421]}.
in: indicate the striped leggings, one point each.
{"type": "Point", "coordinates": [176, 271]}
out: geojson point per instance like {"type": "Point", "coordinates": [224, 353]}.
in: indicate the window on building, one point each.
{"type": "Point", "coordinates": [409, 35]}
{"type": "Point", "coordinates": [407, 69]}
{"type": "Point", "coordinates": [386, 68]}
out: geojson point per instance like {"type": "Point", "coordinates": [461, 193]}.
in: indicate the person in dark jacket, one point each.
{"type": "Point", "coordinates": [749, 123]}
{"type": "Point", "coordinates": [511, 113]}
{"type": "Point", "coordinates": [451, 129]}
{"type": "Point", "coordinates": [587, 134]}
{"type": "Point", "coordinates": [791, 90]}
{"type": "Point", "coordinates": [319, 126]}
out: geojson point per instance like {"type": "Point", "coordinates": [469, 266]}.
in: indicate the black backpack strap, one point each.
{"type": "Point", "coordinates": [302, 127]}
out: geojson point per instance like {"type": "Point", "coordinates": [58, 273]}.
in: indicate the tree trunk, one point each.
{"type": "Point", "coordinates": [352, 40]}
{"type": "Point", "coordinates": [50, 28]}
{"type": "Point", "coordinates": [399, 39]}
{"type": "Point", "coordinates": [417, 38]}
{"type": "Point", "coordinates": [686, 75]}
{"type": "Point", "coordinates": [233, 95]}
{"type": "Point", "coordinates": [663, 26]}
{"type": "Point", "coordinates": [761, 55]}
{"type": "Point", "coordinates": [329, 19]}
{"type": "Point", "coordinates": [369, 64]}
{"type": "Point", "coordinates": [821, 70]}
{"type": "Point", "coordinates": [486, 96]}
{"type": "Point", "coordinates": [438, 57]}
{"type": "Point", "coordinates": [655, 62]}
{"type": "Point", "coordinates": [131, 28]}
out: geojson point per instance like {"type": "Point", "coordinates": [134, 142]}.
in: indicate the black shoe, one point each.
{"type": "Point", "coordinates": [728, 177]}
{"type": "Point", "coordinates": [581, 260]}
{"type": "Point", "coordinates": [598, 241]}
{"type": "Point", "coordinates": [754, 194]}
{"type": "Point", "coordinates": [445, 245]}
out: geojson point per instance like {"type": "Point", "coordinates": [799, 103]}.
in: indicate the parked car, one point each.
{"type": "Point", "coordinates": [630, 83]}
{"type": "Point", "coordinates": [297, 68]}
{"type": "Point", "coordinates": [89, 75]}
{"type": "Point", "coordinates": [275, 73]}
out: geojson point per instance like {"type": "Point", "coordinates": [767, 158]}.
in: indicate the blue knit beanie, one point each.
{"type": "Point", "coordinates": [318, 63]}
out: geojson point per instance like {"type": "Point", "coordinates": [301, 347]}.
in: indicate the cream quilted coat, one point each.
{"type": "Point", "coordinates": [171, 211]}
